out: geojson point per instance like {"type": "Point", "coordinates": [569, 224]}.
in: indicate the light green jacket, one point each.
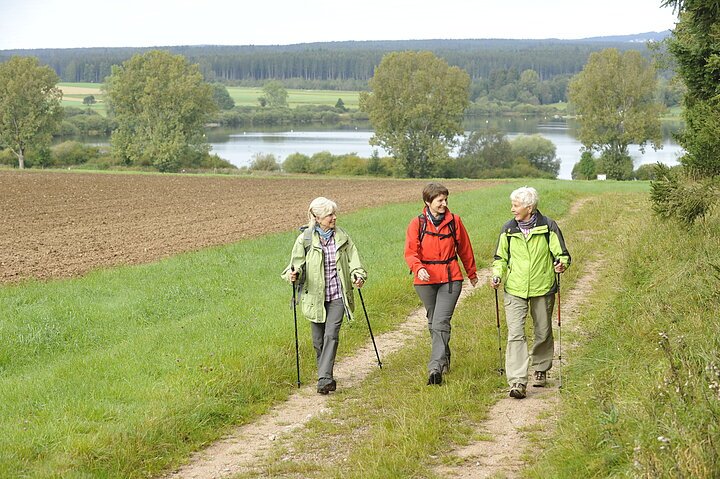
{"type": "Point", "coordinates": [525, 264]}
{"type": "Point", "coordinates": [311, 274]}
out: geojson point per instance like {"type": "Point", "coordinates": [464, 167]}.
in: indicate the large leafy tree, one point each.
{"type": "Point", "coordinates": [695, 45]}
{"type": "Point", "coordinates": [416, 107]}
{"type": "Point", "coordinates": [690, 192]}
{"type": "Point", "coordinates": [614, 96]}
{"type": "Point", "coordinates": [30, 109]}
{"type": "Point", "coordinates": [222, 97]}
{"type": "Point", "coordinates": [275, 94]}
{"type": "Point", "coordinates": [161, 104]}
{"type": "Point", "coordinates": [538, 151]}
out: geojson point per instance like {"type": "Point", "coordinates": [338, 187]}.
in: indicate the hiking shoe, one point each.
{"type": "Point", "coordinates": [326, 387]}
{"type": "Point", "coordinates": [517, 391]}
{"type": "Point", "coordinates": [435, 378]}
{"type": "Point", "coordinates": [445, 369]}
{"type": "Point", "coordinates": [539, 379]}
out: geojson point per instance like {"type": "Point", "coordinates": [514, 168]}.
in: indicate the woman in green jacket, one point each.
{"type": "Point", "coordinates": [529, 252]}
{"type": "Point", "coordinates": [325, 266]}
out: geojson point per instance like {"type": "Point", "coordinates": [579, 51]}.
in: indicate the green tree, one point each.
{"type": "Point", "coordinates": [89, 100]}
{"type": "Point", "coordinates": [30, 109]}
{"type": "Point", "coordinates": [540, 152]}
{"type": "Point", "coordinates": [340, 105]}
{"type": "Point", "coordinates": [161, 104]}
{"type": "Point", "coordinates": [695, 45]}
{"type": "Point", "coordinates": [482, 151]}
{"type": "Point", "coordinates": [614, 96]}
{"type": "Point", "coordinates": [296, 163]}
{"type": "Point", "coordinates": [416, 107]}
{"type": "Point", "coordinates": [275, 94]}
{"type": "Point", "coordinates": [222, 98]}
{"type": "Point", "coordinates": [689, 192]}
{"type": "Point", "coordinates": [585, 169]}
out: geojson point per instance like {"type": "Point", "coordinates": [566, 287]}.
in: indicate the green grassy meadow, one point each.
{"type": "Point", "coordinates": [124, 372]}
{"type": "Point", "coordinates": [243, 96]}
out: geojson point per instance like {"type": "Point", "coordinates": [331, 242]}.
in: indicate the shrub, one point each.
{"type": "Point", "coordinates": [264, 162]}
{"type": "Point", "coordinates": [73, 153]}
{"type": "Point", "coordinates": [679, 195]}
{"type": "Point", "coordinates": [296, 163]}
{"type": "Point", "coordinates": [645, 172]}
{"type": "Point", "coordinates": [586, 168]}
{"type": "Point", "coordinates": [350, 165]}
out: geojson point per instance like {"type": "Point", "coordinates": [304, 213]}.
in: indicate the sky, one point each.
{"type": "Point", "coordinates": [30, 24]}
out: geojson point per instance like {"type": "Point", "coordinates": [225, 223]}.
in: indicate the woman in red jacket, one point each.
{"type": "Point", "coordinates": [433, 242]}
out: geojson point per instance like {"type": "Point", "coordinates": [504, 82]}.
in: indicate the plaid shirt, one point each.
{"type": "Point", "coordinates": [332, 282]}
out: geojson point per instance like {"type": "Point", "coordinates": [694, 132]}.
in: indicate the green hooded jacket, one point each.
{"type": "Point", "coordinates": [311, 273]}
{"type": "Point", "coordinates": [525, 264]}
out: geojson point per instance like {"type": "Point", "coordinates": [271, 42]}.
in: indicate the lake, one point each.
{"type": "Point", "coordinates": [238, 146]}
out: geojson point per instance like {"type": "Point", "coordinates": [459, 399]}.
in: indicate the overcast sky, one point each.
{"type": "Point", "coordinates": [138, 23]}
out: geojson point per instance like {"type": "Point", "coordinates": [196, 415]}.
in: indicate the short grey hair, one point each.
{"type": "Point", "coordinates": [319, 208]}
{"type": "Point", "coordinates": [526, 196]}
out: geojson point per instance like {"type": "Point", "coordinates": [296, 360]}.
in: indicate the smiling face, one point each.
{"type": "Point", "coordinates": [520, 211]}
{"type": "Point", "coordinates": [438, 206]}
{"type": "Point", "coordinates": [327, 222]}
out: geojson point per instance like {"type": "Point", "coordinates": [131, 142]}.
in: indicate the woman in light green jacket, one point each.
{"type": "Point", "coordinates": [325, 267]}
{"type": "Point", "coordinates": [530, 252]}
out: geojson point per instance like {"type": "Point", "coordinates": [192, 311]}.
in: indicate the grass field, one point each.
{"type": "Point", "coordinates": [125, 371]}
{"type": "Point", "coordinates": [73, 94]}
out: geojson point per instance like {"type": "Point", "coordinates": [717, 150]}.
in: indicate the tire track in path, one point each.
{"type": "Point", "coordinates": [513, 424]}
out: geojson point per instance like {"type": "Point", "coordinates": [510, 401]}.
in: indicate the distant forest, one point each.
{"type": "Point", "coordinates": [343, 65]}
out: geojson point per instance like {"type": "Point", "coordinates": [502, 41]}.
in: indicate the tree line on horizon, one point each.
{"type": "Point", "coordinates": [337, 65]}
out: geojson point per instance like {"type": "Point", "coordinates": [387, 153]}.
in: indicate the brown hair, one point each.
{"type": "Point", "coordinates": [432, 191]}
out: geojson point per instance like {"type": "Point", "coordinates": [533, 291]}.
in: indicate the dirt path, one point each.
{"type": "Point", "coordinates": [510, 425]}
{"type": "Point", "coordinates": [248, 445]}
{"type": "Point", "coordinates": [514, 424]}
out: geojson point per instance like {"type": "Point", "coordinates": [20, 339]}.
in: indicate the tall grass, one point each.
{"type": "Point", "coordinates": [644, 395]}
{"type": "Point", "coordinates": [123, 372]}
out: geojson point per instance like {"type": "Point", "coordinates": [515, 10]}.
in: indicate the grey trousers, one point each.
{"type": "Point", "coordinates": [440, 305]}
{"type": "Point", "coordinates": [326, 337]}
{"type": "Point", "coordinates": [517, 360]}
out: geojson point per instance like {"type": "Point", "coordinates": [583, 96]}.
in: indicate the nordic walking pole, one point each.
{"type": "Point", "coordinates": [559, 335]}
{"type": "Point", "coordinates": [377, 355]}
{"type": "Point", "coordinates": [500, 370]}
{"type": "Point", "coordinates": [297, 348]}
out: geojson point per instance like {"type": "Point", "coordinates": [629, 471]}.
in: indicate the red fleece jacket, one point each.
{"type": "Point", "coordinates": [434, 248]}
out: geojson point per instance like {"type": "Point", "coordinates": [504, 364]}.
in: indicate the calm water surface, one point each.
{"type": "Point", "coordinates": [238, 146]}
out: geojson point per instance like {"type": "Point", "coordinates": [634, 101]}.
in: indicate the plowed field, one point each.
{"type": "Point", "coordinates": [57, 224]}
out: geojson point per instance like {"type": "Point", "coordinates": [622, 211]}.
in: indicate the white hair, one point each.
{"type": "Point", "coordinates": [526, 196]}
{"type": "Point", "coordinates": [319, 208]}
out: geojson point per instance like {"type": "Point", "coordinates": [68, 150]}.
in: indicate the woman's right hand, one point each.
{"type": "Point", "coordinates": [293, 276]}
{"type": "Point", "coordinates": [423, 275]}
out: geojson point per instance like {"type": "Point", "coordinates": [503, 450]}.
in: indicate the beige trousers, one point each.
{"type": "Point", "coordinates": [517, 359]}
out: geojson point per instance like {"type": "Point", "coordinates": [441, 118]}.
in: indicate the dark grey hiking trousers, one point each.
{"type": "Point", "coordinates": [326, 337]}
{"type": "Point", "coordinates": [440, 305]}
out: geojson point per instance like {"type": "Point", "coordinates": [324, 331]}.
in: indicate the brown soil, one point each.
{"type": "Point", "coordinates": [58, 224]}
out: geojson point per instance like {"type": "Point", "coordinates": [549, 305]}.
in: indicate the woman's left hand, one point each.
{"type": "Point", "coordinates": [359, 282]}
{"type": "Point", "coordinates": [560, 267]}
